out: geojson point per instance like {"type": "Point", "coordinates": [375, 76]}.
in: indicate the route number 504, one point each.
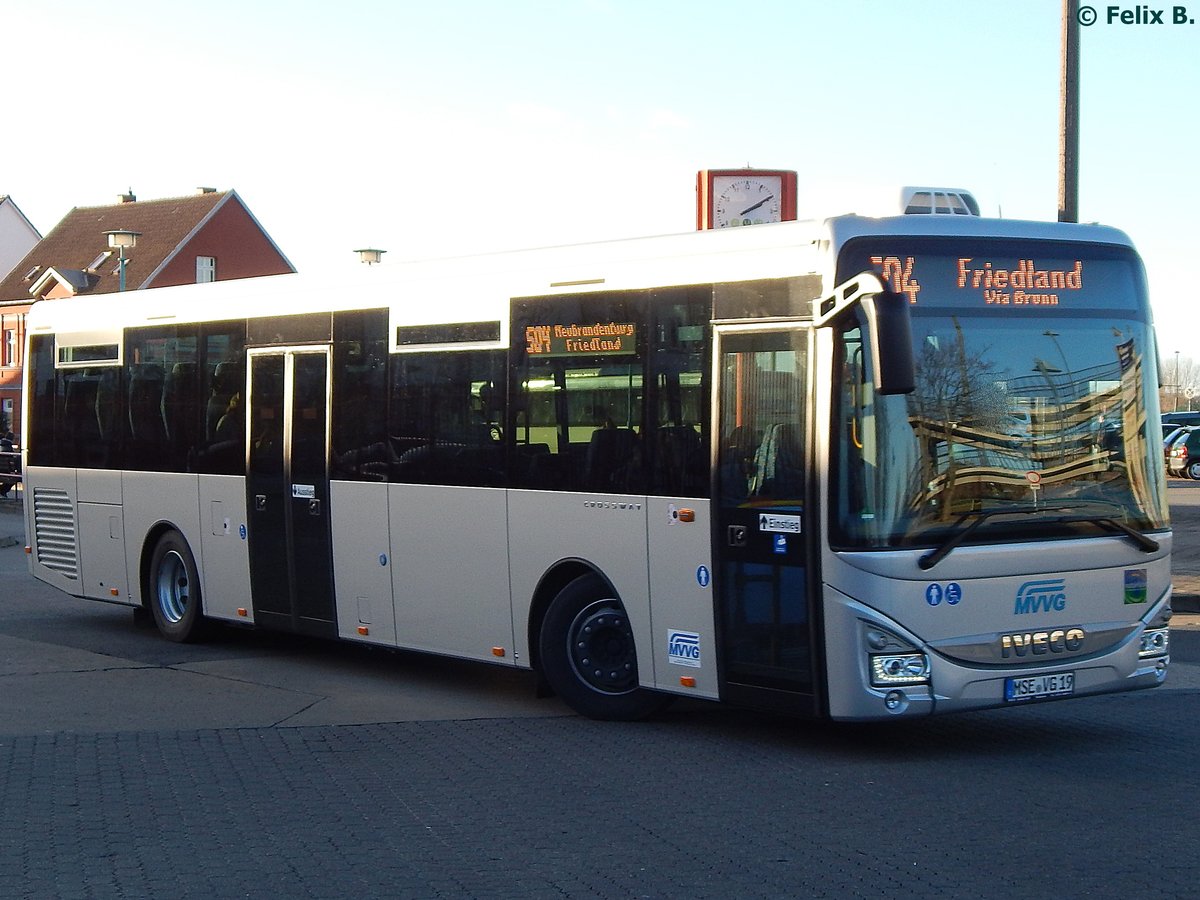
{"type": "Point", "coordinates": [898, 275]}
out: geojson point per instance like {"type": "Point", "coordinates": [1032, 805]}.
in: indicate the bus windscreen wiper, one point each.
{"type": "Point", "coordinates": [1144, 543]}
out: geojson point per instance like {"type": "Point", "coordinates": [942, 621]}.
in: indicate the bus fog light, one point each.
{"type": "Point", "coordinates": [894, 700]}
{"type": "Point", "coordinates": [1155, 642]}
{"type": "Point", "coordinates": [899, 668]}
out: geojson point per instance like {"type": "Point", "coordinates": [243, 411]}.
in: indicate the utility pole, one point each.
{"type": "Point", "coordinates": [1068, 116]}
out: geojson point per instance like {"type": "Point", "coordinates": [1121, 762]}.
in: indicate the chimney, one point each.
{"type": "Point", "coordinates": [206, 190]}
{"type": "Point", "coordinates": [126, 198]}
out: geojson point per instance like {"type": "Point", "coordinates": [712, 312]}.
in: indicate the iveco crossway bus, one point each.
{"type": "Point", "coordinates": [856, 468]}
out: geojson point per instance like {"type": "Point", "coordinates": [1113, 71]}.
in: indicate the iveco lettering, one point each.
{"type": "Point", "coordinates": [1041, 642]}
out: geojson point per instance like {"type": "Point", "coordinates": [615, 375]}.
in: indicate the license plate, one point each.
{"type": "Point", "coordinates": [1034, 687]}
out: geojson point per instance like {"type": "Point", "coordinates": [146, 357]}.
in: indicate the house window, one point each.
{"type": "Point", "coordinates": [206, 269]}
{"type": "Point", "coordinates": [10, 347]}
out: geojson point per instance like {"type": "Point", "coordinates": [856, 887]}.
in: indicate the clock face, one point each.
{"type": "Point", "coordinates": [746, 200]}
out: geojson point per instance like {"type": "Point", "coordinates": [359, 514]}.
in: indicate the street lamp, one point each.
{"type": "Point", "coordinates": [1175, 405]}
{"type": "Point", "coordinates": [1045, 370]}
{"type": "Point", "coordinates": [370, 255]}
{"type": "Point", "coordinates": [1054, 336]}
{"type": "Point", "coordinates": [119, 240]}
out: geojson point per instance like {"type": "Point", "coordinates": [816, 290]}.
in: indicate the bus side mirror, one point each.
{"type": "Point", "coordinates": [891, 342]}
{"type": "Point", "coordinates": [890, 323]}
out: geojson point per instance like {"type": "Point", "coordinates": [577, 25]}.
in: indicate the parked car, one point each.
{"type": "Point", "coordinates": [1190, 417]}
{"type": "Point", "coordinates": [1169, 439]}
{"type": "Point", "coordinates": [1184, 458]}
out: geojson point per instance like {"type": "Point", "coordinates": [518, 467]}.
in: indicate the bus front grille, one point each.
{"type": "Point", "coordinates": [54, 530]}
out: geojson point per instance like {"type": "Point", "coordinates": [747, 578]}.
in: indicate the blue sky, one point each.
{"type": "Point", "coordinates": [436, 128]}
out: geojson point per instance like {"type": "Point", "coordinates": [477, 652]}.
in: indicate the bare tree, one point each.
{"type": "Point", "coordinates": [955, 386]}
{"type": "Point", "coordinates": [956, 402]}
{"type": "Point", "coordinates": [1180, 377]}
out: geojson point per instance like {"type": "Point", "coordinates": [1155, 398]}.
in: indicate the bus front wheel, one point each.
{"type": "Point", "coordinates": [173, 590]}
{"type": "Point", "coordinates": [588, 654]}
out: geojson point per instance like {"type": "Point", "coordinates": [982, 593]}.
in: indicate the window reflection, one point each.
{"type": "Point", "coordinates": [999, 416]}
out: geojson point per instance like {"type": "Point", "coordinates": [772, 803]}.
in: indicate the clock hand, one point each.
{"type": "Point", "coordinates": [750, 209]}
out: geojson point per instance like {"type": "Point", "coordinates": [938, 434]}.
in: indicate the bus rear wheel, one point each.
{"type": "Point", "coordinates": [588, 655]}
{"type": "Point", "coordinates": [173, 590]}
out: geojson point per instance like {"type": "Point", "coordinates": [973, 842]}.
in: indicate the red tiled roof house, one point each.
{"type": "Point", "coordinates": [209, 236]}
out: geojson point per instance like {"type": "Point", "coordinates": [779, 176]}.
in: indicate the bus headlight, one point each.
{"type": "Point", "coordinates": [1155, 642]}
{"type": "Point", "coordinates": [889, 669]}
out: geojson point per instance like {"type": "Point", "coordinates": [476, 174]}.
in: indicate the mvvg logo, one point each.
{"type": "Point", "coordinates": [683, 648]}
{"type": "Point", "coordinates": [1041, 596]}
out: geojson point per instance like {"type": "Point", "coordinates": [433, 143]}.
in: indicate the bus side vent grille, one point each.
{"type": "Point", "coordinates": [54, 528]}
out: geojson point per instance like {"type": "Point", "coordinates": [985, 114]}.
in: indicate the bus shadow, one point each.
{"type": "Point", "coordinates": [1116, 723]}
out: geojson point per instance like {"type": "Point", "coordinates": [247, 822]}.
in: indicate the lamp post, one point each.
{"type": "Point", "coordinates": [119, 240]}
{"type": "Point", "coordinates": [1054, 335]}
{"type": "Point", "coordinates": [1042, 368]}
{"type": "Point", "coordinates": [370, 255]}
{"type": "Point", "coordinates": [1175, 405]}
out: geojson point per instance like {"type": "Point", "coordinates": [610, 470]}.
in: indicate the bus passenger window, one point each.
{"type": "Point", "coordinates": [679, 372]}
{"type": "Point", "coordinates": [579, 392]}
{"type": "Point", "coordinates": [219, 421]}
{"type": "Point", "coordinates": [359, 405]}
{"type": "Point", "coordinates": [611, 393]}
{"type": "Point", "coordinates": [763, 420]}
{"type": "Point", "coordinates": [43, 448]}
{"type": "Point", "coordinates": [446, 425]}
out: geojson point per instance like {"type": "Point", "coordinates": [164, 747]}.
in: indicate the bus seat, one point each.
{"type": "Point", "coordinates": [778, 465]}
{"type": "Point", "coordinates": [145, 389]}
{"type": "Point", "coordinates": [178, 396]}
{"type": "Point", "coordinates": [79, 407]}
{"type": "Point", "coordinates": [549, 471]}
{"type": "Point", "coordinates": [525, 458]}
{"type": "Point", "coordinates": [106, 404]}
{"type": "Point", "coordinates": [226, 379]}
{"type": "Point", "coordinates": [609, 450]}
{"type": "Point", "coordinates": [680, 464]}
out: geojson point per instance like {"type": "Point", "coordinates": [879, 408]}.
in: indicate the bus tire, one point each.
{"type": "Point", "coordinates": [173, 590]}
{"type": "Point", "coordinates": [588, 656]}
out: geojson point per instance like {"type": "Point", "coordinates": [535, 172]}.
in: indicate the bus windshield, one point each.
{"type": "Point", "coordinates": [1035, 409]}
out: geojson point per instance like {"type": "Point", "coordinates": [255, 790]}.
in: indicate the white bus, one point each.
{"type": "Point", "coordinates": [774, 466]}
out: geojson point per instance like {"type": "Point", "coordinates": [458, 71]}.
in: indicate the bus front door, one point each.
{"type": "Point", "coordinates": [287, 486]}
{"type": "Point", "coordinates": [760, 543]}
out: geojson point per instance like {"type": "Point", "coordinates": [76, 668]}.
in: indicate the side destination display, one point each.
{"type": "Point", "coordinates": [599, 338]}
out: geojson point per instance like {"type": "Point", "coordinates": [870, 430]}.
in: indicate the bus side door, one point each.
{"type": "Point", "coordinates": [761, 544]}
{"type": "Point", "coordinates": [287, 482]}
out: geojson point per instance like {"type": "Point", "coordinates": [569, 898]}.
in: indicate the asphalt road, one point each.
{"type": "Point", "coordinates": [267, 766]}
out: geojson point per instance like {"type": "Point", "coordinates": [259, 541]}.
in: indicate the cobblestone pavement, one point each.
{"type": "Point", "coordinates": [1065, 800]}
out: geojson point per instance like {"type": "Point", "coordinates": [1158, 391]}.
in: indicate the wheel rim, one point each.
{"type": "Point", "coordinates": [172, 588]}
{"type": "Point", "coordinates": [601, 648]}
